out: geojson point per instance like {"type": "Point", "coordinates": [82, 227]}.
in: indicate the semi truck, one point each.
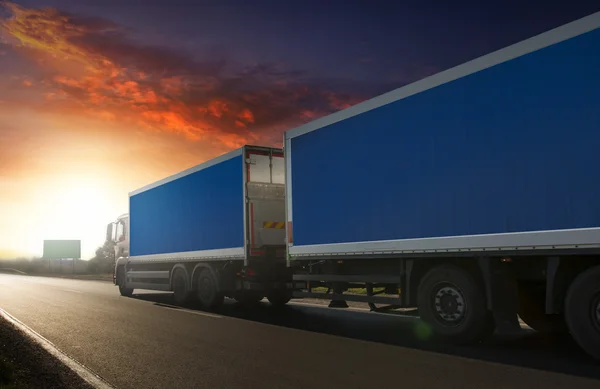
{"type": "Point", "coordinates": [471, 195]}
{"type": "Point", "coordinates": [213, 231]}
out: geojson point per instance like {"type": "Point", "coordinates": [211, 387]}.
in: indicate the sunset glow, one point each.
{"type": "Point", "coordinates": [90, 114]}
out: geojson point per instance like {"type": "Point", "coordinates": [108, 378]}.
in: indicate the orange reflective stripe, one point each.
{"type": "Point", "coordinates": [277, 225]}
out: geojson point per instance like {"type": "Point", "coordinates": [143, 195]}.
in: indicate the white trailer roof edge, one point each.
{"type": "Point", "coordinates": [545, 39]}
{"type": "Point", "coordinates": [193, 169]}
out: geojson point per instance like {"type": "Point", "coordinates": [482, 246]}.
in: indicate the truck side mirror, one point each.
{"type": "Point", "coordinates": [109, 232]}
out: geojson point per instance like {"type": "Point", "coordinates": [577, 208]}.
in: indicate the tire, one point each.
{"type": "Point", "coordinates": [582, 311]}
{"type": "Point", "coordinates": [465, 319]}
{"type": "Point", "coordinates": [207, 292]}
{"type": "Point", "coordinates": [532, 303]}
{"type": "Point", "coordinates": [126, 292]}
{"type": "Point", "coordinates": [181, 289]}
{"type": "Point", "coordinates": [279, 299]}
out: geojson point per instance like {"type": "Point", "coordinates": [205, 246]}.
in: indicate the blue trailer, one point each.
{"type": "Point", "coordinates": [460, 191]}
{"type": "Point", "coordinates": [215, 230]}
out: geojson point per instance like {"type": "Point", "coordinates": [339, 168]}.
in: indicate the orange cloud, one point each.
{"type": "Point", "coordinates": [341, 101]}
{"type": "Point", "coordinates": [172, 85]}
{"type": "Point", "coordinates": [217, 108]}
{"type": "Point", "coordinates": [112, 78]}
{"type": "Point", "coordinates": [246, 115]}
{"type": "Point", "coordinates": [101, 114]}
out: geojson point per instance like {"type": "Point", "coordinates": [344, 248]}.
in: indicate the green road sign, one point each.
{"type": "Point", "coordinates": [57, 249]}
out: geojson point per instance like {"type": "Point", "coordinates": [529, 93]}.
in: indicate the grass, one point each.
{"type": "Point", "coordinates": [322, 289]}
{"type": "Point", "coordinates": [78, 276]}
{"type": "Point", "coordinates": [93, 277]}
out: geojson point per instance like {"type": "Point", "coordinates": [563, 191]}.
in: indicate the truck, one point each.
{"type": "Point", "coordinates": [471, 195]}
{"type": "Point", "coordinates": [215, 230]}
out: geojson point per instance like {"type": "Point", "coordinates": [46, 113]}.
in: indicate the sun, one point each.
{"type": "Point", "coordinates": [76, 206]}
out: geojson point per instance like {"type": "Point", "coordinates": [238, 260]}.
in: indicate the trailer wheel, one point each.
{"type": "Point", "coordinates": [126, 292]}
{"type": "Point", "coordinates": [531, 310]}
{"type": "Point", "coordinates": [181, 291]}
{"type": "Point", "coordinates": [453, 304]}
{"type": "Point", "coordinates": [582, 311]}
{"type": "Point", "coordinates": [207, 291]}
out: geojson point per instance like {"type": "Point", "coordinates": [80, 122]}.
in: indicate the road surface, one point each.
{"type": "Point", "coordinates": [141, 342]}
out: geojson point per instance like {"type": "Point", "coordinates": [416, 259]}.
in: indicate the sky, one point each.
{"type": "Point", "coordinates": [101, 97]}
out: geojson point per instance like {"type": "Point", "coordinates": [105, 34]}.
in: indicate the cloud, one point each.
{"type": "Point", "coordinates": [113, 77]}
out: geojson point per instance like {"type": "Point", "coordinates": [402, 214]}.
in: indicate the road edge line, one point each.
{"type": "Point", "coordinates": [78, 368]}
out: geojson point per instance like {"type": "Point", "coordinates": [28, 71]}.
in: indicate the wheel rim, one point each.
{"type": "Point", "coordinates": [205, 290]}
{"type": "Point", "coordinates": [596, 311]}
{"type": "Point", "coordinates": [449, 304]}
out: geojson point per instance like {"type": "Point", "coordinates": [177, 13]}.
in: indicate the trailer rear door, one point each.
{"type": "Point", "coordinates": [265, 192]}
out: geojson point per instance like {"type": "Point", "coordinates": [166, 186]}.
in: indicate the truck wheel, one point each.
{"type": "Point", "coordinates": [207, 291]}
{"type": "Point", "coordinates": [454, 305]}
{"type": "Point", "coordinates": [127, 292]}
{"type": "Point", "coordinates": [181, 291]}
{"type": "Point", "coordinates": [279, 299]}
{"type": "Point", "coordinates": [582, 311]}
{"type": "Point", "coordinates": [532, 311]}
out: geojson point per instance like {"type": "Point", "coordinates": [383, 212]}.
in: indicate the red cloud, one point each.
{"type": "Point", "coordinates": [164, 90]}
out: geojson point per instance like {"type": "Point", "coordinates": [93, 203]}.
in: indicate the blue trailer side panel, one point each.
{"type": "Point", "coordinates": [201, 211]}
{"type": "Point", "coordinates": [512, 148]}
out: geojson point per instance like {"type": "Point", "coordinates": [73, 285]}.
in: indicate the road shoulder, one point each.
{"type": "Point", "coordinates": [26, 363]}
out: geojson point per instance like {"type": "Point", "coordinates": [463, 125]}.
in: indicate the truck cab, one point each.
{"type": "Point", "coordinates": [117, 232]}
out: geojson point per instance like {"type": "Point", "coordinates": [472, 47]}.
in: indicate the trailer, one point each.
{"type": "Point", "coordinates": [209, 232]}
{"type": "Point", "coordinates": [472, 194]}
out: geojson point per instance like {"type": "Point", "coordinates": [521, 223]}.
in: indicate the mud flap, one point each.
{"type": "Point", "coordinates": [501, 293]}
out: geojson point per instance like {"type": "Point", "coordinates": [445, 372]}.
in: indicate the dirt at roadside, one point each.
{"type": "Point", "coordinates": [24, 364]}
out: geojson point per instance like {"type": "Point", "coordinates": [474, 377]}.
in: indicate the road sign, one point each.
{"type": "Point", "coordinates": [59, 249]}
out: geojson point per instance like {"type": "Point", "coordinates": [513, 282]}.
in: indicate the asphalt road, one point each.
{"type": "Point", "coordinates": [139, 342]}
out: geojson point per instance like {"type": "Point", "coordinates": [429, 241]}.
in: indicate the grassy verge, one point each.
{"type": "Point", "coordinates": [94, 277]}
{"type": "Point", "coordinates": [322, 289]}
{"type": "Point", "coordinates": [12, 271]}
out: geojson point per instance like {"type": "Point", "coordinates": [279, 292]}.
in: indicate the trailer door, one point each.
{"type": "Point", "coordinates": [265, 191]}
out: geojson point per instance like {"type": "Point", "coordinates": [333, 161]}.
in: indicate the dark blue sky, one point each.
{"type": "Point", "coordinates": [375, 42]}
